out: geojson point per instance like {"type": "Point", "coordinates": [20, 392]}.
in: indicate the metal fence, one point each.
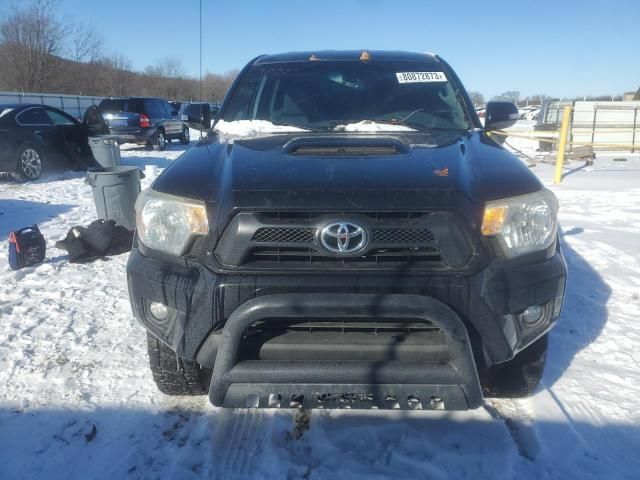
{"type": "Point", "coordinates": [74, 105]}
{"type": "Point", "coordinates": [603, 125]}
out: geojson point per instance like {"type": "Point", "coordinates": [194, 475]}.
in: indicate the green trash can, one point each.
{"type": "Point", "coordinates": [105, 150]}
{"type": "Point", "coordinates": [115, 190]}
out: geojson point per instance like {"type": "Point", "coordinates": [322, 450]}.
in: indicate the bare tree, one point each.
{"type": "Point", "coordinates": [477, 98]}
{"type": "Point", "coordinates": [509, 96]}
{"type": "Point", "coordinates": [33, 39]}
{"type": "Point", "coordinates": [168, 77]}
{"type": "Point", "coordinates": [86, 50]}
{"type": "Point", "coordinates": [40, 52]}
{"type": "Point", "coordinates": [170, 67]}
{"type": "Point", "coordinates": [120, 74]}
{"type": "Point", "coordinates": [537, 99]}
{"type": "Point", "coordinates": [216, 85]}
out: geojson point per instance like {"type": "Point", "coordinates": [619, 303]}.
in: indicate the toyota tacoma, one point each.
{"type": "Point", "coordinates": [347, 234]}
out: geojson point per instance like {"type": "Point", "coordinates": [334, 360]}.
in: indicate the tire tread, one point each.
{"type": "Point", "coordinates": [175, 375]}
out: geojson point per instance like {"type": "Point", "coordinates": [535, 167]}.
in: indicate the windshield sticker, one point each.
{"type": "Point", "coordinates": [420, 77]}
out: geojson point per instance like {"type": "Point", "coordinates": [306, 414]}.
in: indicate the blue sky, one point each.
{"type": "Point", "coordinates": [560, 48]}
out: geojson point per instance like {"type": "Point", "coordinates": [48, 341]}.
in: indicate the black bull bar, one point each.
{"type": "Point", "coordinates": [451, 385]}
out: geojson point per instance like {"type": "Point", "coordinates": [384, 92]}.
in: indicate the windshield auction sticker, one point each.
{"type": "Point", "coordinates": [420, 77]}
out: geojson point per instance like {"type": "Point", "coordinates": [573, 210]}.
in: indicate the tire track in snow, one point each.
{"type": "Point", "coordinates": [239, 440]}
{"type": "Point", "coordinates": [517, 416]}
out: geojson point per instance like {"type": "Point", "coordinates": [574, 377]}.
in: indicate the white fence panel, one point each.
{"type": "Point", "coordinates": [74, 105]}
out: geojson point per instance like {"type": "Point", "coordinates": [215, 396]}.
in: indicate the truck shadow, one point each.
{"type": "Point", "coordinates": [244, 444]}
{"type": "Point", "coordinates": [584, 313]}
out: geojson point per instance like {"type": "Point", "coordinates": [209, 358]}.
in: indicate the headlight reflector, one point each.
{"type": "Point", "coordinates": [522, 224]}
{"type": "Point", "coordinates": [167, 223]}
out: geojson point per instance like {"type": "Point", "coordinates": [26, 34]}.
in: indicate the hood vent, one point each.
{"type": "Point", "coordinates": [336, 146]}
{"type": "Point", "coordinates": [346, 150]}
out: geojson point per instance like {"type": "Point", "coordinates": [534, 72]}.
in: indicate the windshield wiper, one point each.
{"type": "Point", "coordinates": [310, 129]}
{"type": "Point", "coordinates": [446, 129]}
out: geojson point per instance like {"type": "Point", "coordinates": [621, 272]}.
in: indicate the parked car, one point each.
{"type": "Point", "coordinates": [350, 237]}
{"type": "Point", "coordinates": [214, 108]}
{"type": "Point", "coordinates": [33, 137]}
{"type": "Point", "coordinates": [150, 121]}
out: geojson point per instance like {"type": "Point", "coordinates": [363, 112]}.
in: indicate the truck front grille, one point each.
{"type": "Point", "coordinates": [291, 240]}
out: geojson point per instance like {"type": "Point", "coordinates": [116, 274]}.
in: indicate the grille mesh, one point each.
{"type": "Point", "coordinates": [347, 150]}
{"type": "Point", "coordinates": [284, 235]}
{"type": "Point", "coordinates": [300, 256]}
{"type": "Point", "coordinates": [402, 235]}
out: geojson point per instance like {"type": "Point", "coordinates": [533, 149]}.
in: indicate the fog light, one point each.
{"type": "Point", "coordinates": [532, 316]}
{"type": "Point", "coordinates": [159, 311]}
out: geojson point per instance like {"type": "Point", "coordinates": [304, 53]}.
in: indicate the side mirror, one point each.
{"type": "Point", "coordinates": [499, 115]}
{"type": "Point", "coordinates": [197, 116]}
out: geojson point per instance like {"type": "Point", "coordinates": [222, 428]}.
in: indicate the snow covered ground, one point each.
{"type": "Point", "coordinates": [72, 357]}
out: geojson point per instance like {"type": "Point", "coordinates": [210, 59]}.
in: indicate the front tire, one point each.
{"type": "Point", "coordinates": [159, 141]}
{"type": "Point", "coordinates": [184, 138]}
{"type": "Point", "coordinates": [175, 375]}
{"type": "Point", "coordinates": [29, 165]}
{"type": "Point", "coordinates": [519, 377]}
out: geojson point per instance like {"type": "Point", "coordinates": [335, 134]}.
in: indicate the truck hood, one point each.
{"type": "Point", "coordinates": [285, 172]}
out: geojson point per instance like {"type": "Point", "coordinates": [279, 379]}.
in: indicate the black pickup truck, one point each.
{"type": "Point", "coordinates": [348, 234]}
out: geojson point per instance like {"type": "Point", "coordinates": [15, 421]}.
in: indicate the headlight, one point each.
{"type": "Point", "coordinates": [167, 223]}
{"type": "Point", "coordinates": [522, 224]}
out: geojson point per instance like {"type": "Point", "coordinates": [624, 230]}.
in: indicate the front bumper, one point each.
{"type": "Point", "coordinates": [488, 304]}
{"type": "Point", "coordinates": [140, 135]}
{"type": "Point", "coordinates": [437, 385]}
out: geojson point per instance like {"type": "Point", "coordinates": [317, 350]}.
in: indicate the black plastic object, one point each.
{"type": "Point", "coordinates": [99, 239]}
{"type": "Point", "coordinates": [26, 247]}
{"type": "Point", "coordinates": [115, 190]}
{"type": "Point", "coordinates": [451, 385]}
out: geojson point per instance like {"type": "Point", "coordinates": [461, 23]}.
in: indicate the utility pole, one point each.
{"type": "Point", "coordinates": [201, 98]}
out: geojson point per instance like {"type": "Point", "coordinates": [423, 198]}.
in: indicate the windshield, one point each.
{"type": "Point", "coordinates": [116, 105]}
{"type": "Point", "coordinates": [340, 95]}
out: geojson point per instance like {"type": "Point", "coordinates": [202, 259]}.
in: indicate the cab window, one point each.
{"type": "Point", "coordinates": [59, 118]}
{"type": "Point", "coordinates": [34, 116]}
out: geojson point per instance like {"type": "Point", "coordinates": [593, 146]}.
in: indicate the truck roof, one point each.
{"type": "Point", "coordinates": [348, 56]}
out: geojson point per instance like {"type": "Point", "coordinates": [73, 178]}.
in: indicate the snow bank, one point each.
{"type": "Point", "coordinates": [251, 128]}
{"type": "Point", "coordinates": [371, 126]}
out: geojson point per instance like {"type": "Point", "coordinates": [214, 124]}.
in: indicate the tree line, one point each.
{"type": "Point", "coordinates": [513, 96]}
{"type": "Point", "coordinates": [40, 53]}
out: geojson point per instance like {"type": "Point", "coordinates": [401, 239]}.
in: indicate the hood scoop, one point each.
{"type": "Point", "coordinates": [343, 147]}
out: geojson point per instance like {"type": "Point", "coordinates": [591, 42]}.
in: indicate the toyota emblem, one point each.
{"type": "Point", "coordinates": [343, 237]}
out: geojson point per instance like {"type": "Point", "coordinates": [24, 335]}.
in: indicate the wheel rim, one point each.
{"type": "Point", "coordinates": [186, 134]}
{"type": "Point", "coordinates": [31, 163]}
{"type": "Point", "coordinates": [161, 139]}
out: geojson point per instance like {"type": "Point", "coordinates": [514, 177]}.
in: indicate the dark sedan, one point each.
{"type": "Point", "coordinates": [34, 137]}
